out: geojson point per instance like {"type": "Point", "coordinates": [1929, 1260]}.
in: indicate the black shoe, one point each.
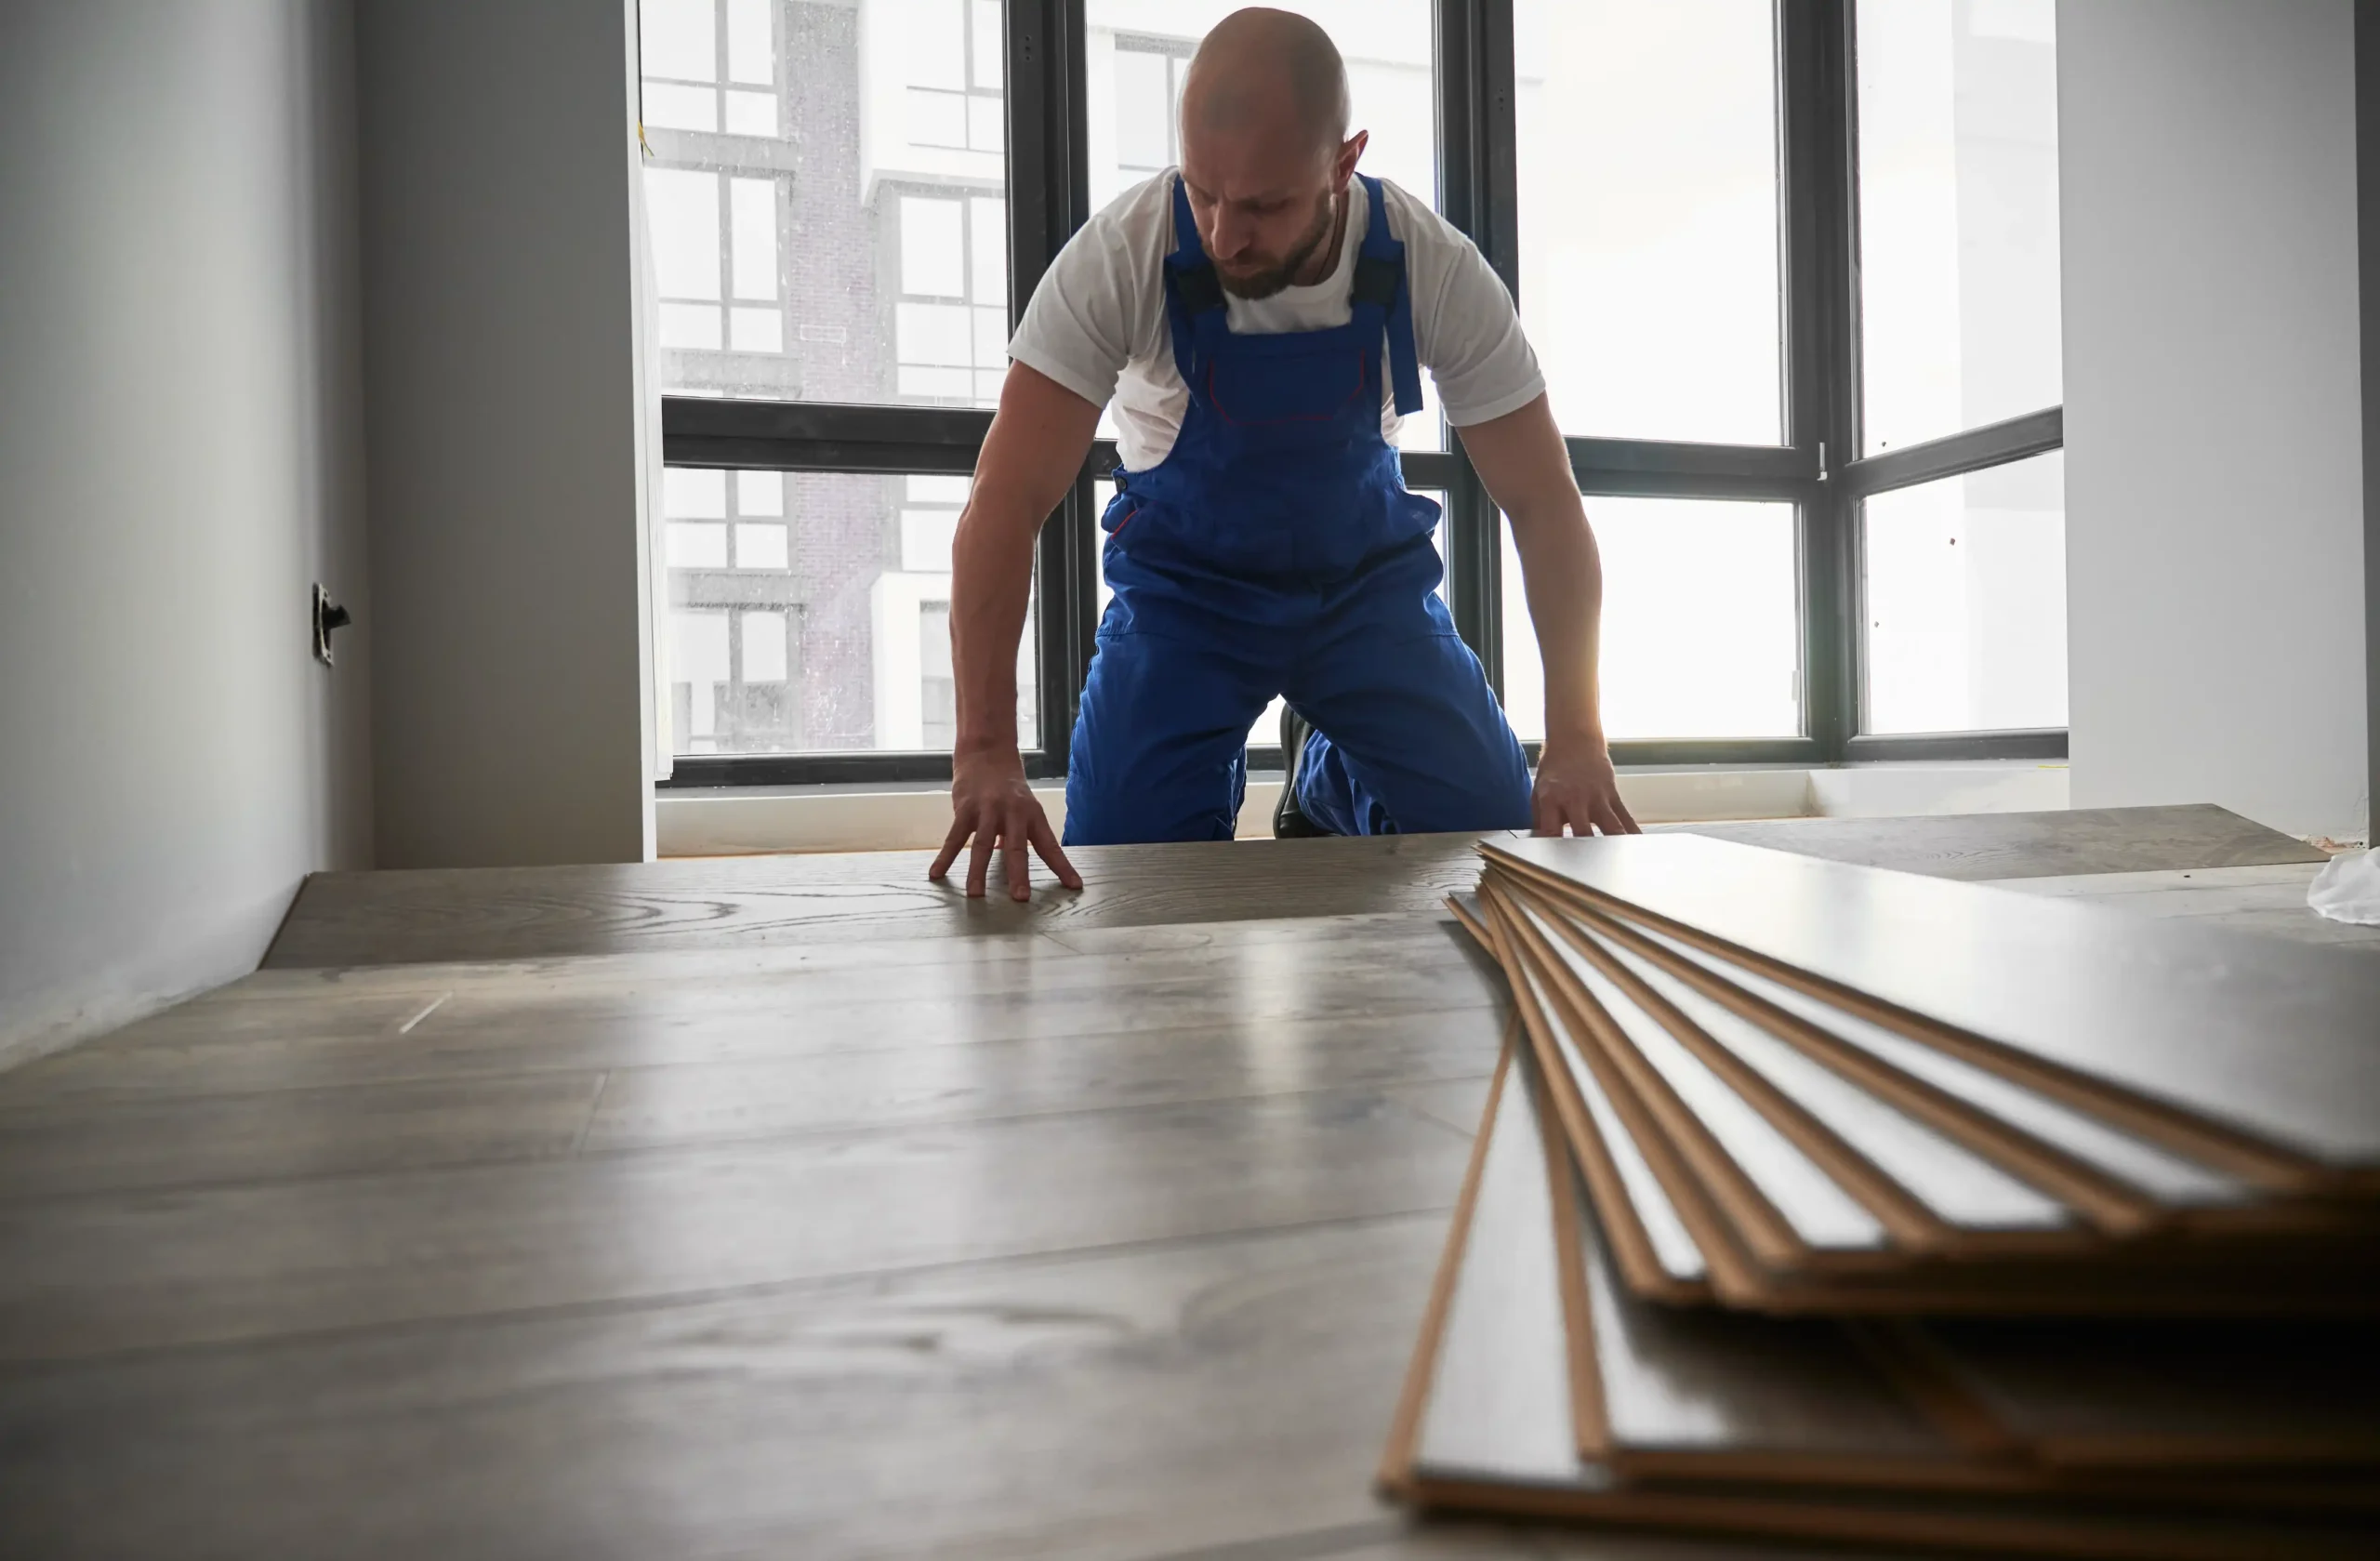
{"type": "Point", "coordinates": [1290, 821]}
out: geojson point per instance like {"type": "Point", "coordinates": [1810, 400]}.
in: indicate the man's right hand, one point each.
{"type": "Point", "coordinates": [991, 803]}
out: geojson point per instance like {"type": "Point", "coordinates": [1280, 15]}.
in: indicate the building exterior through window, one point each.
{"type": "Point", "coordinates": [826, 202]}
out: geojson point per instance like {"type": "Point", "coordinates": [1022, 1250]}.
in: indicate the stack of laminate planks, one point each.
{"type": "Point", "coordinates": [1828, 1202]}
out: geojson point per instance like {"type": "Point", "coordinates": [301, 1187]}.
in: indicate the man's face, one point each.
{"type": "Point", "coordinates": [1262, 195]}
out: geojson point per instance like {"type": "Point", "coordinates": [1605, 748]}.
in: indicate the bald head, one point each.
{"type": "Point", "coordinates": [1266, 154]}
{"type": "Point", "coordinates": [1268, 72]}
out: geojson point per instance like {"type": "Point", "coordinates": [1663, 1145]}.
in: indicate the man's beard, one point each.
{"type": "Point", "coordinates": [1266, 283]}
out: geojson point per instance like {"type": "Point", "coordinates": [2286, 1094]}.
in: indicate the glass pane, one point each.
{"type": "Point", "coordinates": [1958, 214]}
{"type": "Point", "coordinates": [827, 629]}
{"type": "Point", "coordinates": [1700, 630]}
{"type": "Point", "coordinates": [1966, 602]}
{"type": "Point", "coordinates": [1266, 733]}
{"type": "Point", "coordinates": [825, 198]}
{"type": "Point", "coordinates": [1138, 50]}
{"type": "Point", "coordinates": [1649, 216]}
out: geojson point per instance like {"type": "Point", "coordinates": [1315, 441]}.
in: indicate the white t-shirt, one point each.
{"type": "Point", "coordinates": [1097, 322]}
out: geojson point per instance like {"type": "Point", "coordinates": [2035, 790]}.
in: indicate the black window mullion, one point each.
{"type": "Point", "coordinates": [1049, 185]}
{"type": "Point", "coordinates": [1476, 155]}
{"type": "Point", "coordinates": [2013, 439]}
{"type": "Point", "coordinates": [1822, 352]}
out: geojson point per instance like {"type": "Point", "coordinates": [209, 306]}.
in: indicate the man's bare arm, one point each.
{"type": "Point", "coordinates": [1527, 467]}
{"type": "Point", "coordinates": [1038, 442]}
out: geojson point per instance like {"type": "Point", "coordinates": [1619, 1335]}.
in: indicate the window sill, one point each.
{"type": "Point", "coordinates": [739, 821]}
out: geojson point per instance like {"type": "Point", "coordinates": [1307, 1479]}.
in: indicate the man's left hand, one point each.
{"type": "Point", "coordinates": [1576, 786]}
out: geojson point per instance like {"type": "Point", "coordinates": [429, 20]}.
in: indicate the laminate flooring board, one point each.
{"type": "Point", "coordinates": [1962, 1189]}
{"type": "Point", "coordinates": [144, 1270]}
{"type": "Point", "coordinates": [1663, 1239]}
{"type": "Point", "coordinates": [1455, 1104]}
{"type": "Point", "coordinates": [1783, 1205]}
{"type": "Point", "coordinates": [1690, 1389]}
{"type": "Point", "coordinates": [2270, 1042]}
{"type": "Point", "coordinates": [1497, 1402]}
{"type": "Point", "coordinates": [1493, 1433]}
{"type": "Point", "coordinates": [2266, 901]}
{"type": "Point", "coordinates": [1137, 1402]}
{"type": "Point", "coordinates": [1996, 845]}
{"type": "Point", "coordinates": [645, 1107]}
{"type": "Point", "coordinates": [1236, 991]}
{"type": "Point", "coordinates": [124, 1142]}
{"type": "Point", "coordinates": [2150, 1171]}
{"type": "Point", "coordinates": [291, 1134]}
{"type": "Point", "coordinates": [412, 917]}
{"type": "Point", "coordinates": [2131, 1395]}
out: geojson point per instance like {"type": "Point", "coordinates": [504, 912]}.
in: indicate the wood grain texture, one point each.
{"type": "Point", "coordinates": [1138, 1402]}
{"type": "Point", "coordinates": [2275, 1043]}
{"type": "Point", "coordinates": [1228, 983]}
{"type": "Point", "coordinates": [69, 1149]}
{"type": "Point", "coordinates": [1996, 845]}
{"type": "Point", "coordinates": [92, 1275]}
{"type": "Point", "coordinates": [391, 917]}
{"type": "Point", "coordinates": [1455, 1104]}
{"type": "Point", "coordinates": [1092, 1228]}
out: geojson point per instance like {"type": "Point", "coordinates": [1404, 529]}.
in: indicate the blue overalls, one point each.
{"type": "Point", "coordinates": [1275, 550]}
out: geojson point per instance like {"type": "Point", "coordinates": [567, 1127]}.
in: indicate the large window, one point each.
{"type": "Point", "coordinates": [1790, 267]}
{"type": "Point", "coordinates": [1650, 210]}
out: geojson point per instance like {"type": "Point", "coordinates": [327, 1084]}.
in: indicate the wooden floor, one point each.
{"type": "Point", "coordinates": [792, 1206]}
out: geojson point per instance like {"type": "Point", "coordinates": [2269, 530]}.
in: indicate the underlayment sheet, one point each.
{"type": "Point", "coordinates": [2273, 1041]}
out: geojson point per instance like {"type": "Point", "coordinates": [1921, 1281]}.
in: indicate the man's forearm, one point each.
{"type": "Point", "coordinates": [1037, 443]}
{"type": "Point", "coordinates": [991, 560]}
{"type": "Point", "coordinates": [1564, 577]}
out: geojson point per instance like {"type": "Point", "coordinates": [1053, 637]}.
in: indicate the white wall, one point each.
{"type": "Point", "coordinates": [510, 705]}
{"type": "Point", "coordinates": [179, 463]}
{"type": "Point", "coordinates": [2214, 481]}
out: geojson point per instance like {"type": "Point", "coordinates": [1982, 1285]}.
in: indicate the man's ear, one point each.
{"type": "Point", "coordinates": [1343, 167]}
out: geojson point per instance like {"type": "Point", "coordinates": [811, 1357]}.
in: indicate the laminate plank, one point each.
{"type": "Point", "coordinates": [2266, 901]}
{"type": "Point", "coordinates": [2123, 1157]}
{"type": "Point", "coordinates": [1727, 1391]}
{"type": "Point", "coordinates": [1455, 1104]}
{"type": "Point", "coordinates": [2277, 1043]}
{"type": "Point", "coordinates": [1494, 1434]}
{"type": "Point", "coordinates": [2139, 1393]}
{"type": "Point", "coordinates": [501, 1022]}
{"type": "Point", "coordinates": [146, 1271]}
{"type": "Point", "coordinates": [1617, 1154]}
{"type": "Point", "coordinates": [82, 1144]}
{"type": "Point", "coordinates": [1100, 1404]}
{"type": "Point", "coordinates": [1443, 1540]}
{"type": "Point", "coordinates": [1499, 1403]}
{"type": "Point", "coordinates": [645, 1107]}
{"type": "Point", "coordinates": [2001, 845]}
{"type": "Point", "coordinates": [287, 1135]}
{"type": "Point", "coordinates": [1958, 1186]}
{"type": "Point", "coordinates": [1821, 1214]}
{"type": "Point", "coordinates": [413, 917]}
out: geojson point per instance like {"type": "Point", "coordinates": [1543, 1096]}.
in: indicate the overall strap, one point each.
{"type": "Point", "coordinates": [1381, 282]}
{"type": "Point", "coordinates": [1191, 286]}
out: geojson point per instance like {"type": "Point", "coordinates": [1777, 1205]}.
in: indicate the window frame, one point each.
{"type": "Point", "coordinates": [1046, 138]}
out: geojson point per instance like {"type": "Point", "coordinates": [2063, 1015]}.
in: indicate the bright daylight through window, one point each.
{"type": "Point", "coordinates": [829, 197]}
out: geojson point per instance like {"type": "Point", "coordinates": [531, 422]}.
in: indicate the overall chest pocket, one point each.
{"type": "Point", "coordinates": [1260, 390]}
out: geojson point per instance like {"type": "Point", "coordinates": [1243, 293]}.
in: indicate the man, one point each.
{"type": "Point", "coordinates": [1261, 318]}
